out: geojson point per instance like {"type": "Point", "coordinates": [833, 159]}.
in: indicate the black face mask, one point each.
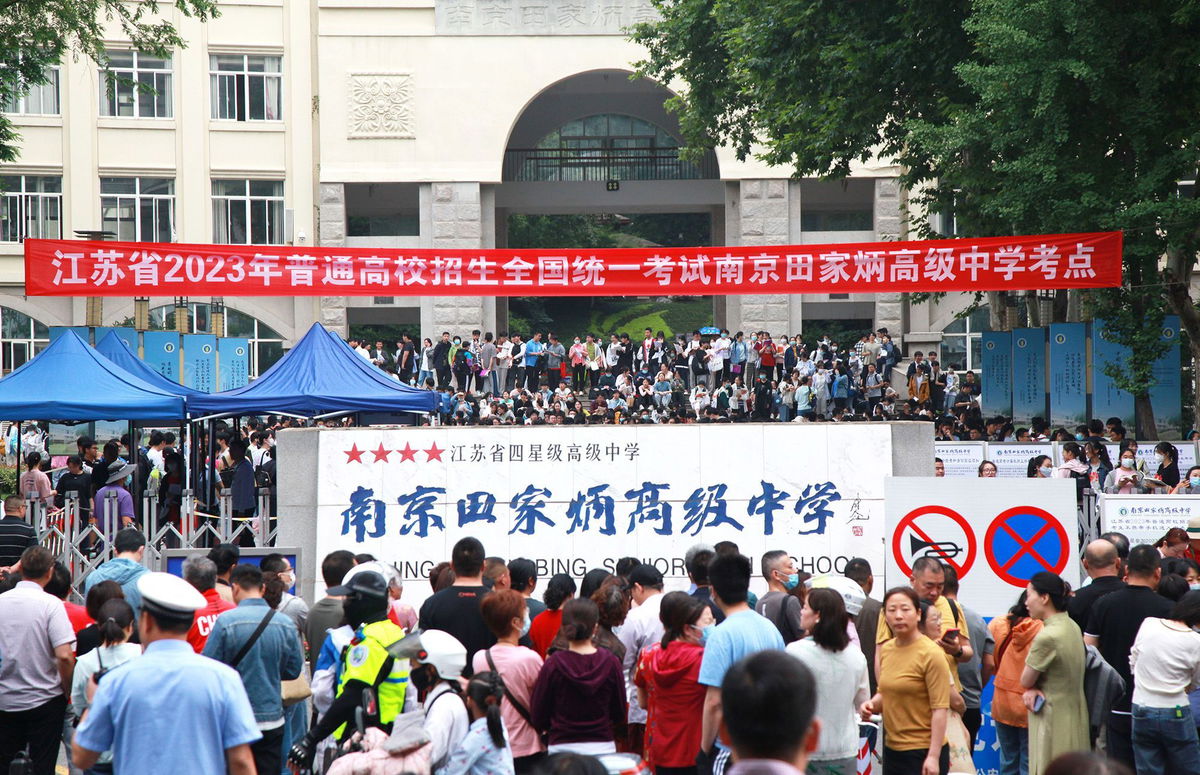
{"type": "Point", "coordinates": [422, 678]}
{"type": "Point", "coordinates": [362, 610]}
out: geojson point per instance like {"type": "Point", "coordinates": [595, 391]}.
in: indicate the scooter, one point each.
{"type": "Point", "coordinates": [367, 709]}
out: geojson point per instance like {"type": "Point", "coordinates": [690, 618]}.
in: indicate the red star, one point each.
{"type": "Point", "coordinates": [408, 453]}
{"type": "Point", "coordinates": [381, 453]}
{"type": "Point", "coordinates": [433, 453]}
{"type": "Point", "coordinates": [354, 454]}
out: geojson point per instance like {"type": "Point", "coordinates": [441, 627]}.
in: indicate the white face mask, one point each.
{"type": "Point", "coordinates": [1160, 457]}
{"type": "Point", "coordinates": [1126, 462]}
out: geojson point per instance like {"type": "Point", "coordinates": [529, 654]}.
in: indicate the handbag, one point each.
{"type": "Point", "coordinates": [294, 690]}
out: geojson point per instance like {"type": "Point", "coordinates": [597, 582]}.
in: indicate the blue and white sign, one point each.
{"type": "Point", "coordinates": [1068, 375]}
{"type": "Point", "coordinates": [234, 360]}
{"type": "Point", "coordinates": [1167, 393]}
{"type": "Point", "coordinates": [1029, 375]}
{"type": "Point", "coordinates": [200, 362]}
{"type": "Point", "coordinates": [162, 352]}
{"type": "Point", "coordinates": [997, 375]}
{"type": "Point", "coordinates": [1107, 399]}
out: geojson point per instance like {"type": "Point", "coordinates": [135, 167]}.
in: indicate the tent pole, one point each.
{"type": "Point", "coordinates": [211, 465]}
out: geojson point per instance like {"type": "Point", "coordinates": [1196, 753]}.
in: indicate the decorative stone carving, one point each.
{"type": "Point", "coordinates": [381, 106]}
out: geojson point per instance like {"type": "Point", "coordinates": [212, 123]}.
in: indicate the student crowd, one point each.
{"type": "Point", "coordinates": [500, 672]}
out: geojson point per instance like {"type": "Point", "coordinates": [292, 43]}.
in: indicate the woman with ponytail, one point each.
{"type": "Point", "coordinates": [485, 749]}
{"type": "Point", "coordinates": [579, 697]}
{"type": "Point", "coordinates": [114, 623]}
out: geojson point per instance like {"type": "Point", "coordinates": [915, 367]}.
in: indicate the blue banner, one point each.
{"type": "Point", "coordinates": [234, 360]}
{"type": "Point", "coordinates": [1029, 375]}
{"type": "Point", "coordinates": [81, 331]}
{"type": "Point", "coordinates": [997, 379]}
{"type": "Point", "coordinates": [1108, 400]}
{"type": "Point", "coordinates": [200, 362]}
{"type": "Point", "coordinates": [161, 352]}
{"type": "Point", "coordinates": [130, 335]}
{"type": "Point", "coordinates": [1068, 375]}
{"type": "Point", "coordinates": [1167, 394]}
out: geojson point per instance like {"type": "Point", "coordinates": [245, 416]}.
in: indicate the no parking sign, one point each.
{"type": "Point", "coordinates": [1020, 526]}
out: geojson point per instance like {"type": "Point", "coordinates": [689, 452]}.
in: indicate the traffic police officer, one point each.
{"type": "Point", "coordinates": [365, 663]}
{"type": "Point", "coordinates": [171, 710]}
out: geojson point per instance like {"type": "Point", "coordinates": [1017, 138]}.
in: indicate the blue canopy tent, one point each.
{"type": "Point", "coordinates": [319, 376]}
{"type": "Point", "coordinates": [118, 351]}
{"type": "Point", "coordinates": [70, 382]}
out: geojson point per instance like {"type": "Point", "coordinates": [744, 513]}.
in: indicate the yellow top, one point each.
{"type": "Point", "coordinates": [913, 683]}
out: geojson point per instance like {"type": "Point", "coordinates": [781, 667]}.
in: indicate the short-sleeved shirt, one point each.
{"type": "Point", "coordinates": [914, 681]}
{"type": "Point", "coordinates": [16, 535]}
{"type": "Point", "coordinates": [1080, 604]}
{"type": "Point", "coordinates": [34, 624]}
{"type": "Point", "coordinates": [1115, 621]}
{"type": "Point", "coordinates": [740, 635]}
{"type": "Point", "coordinates": [969, 674]}
{"type": "Point", "coordinates": [124, 503]}
{"type": "Point", "coordinates": [456, 610]}
{"type": "Point", "coordinates": [169, 694]}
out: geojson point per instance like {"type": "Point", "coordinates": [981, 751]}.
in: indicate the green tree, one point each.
{"type": "Point", "coordinates": [1018, 116]}
{"type": "Point", "coordinates": [35, 34]}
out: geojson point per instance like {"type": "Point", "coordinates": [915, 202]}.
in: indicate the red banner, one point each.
{"type": "Point", "coordinates": [82, 268]}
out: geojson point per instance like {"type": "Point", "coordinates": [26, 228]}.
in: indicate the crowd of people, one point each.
{"type": "Point", "coordinates": [501, 672]}
{"type": "Point", "coordinates": [507, 379]}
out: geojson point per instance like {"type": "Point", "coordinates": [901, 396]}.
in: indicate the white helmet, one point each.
{"type": "Point", "coordinates": [848, 588]}
{"type": "Point", "coordinates": [387, 570]}
{"type": "Point", "coordinates": [444, 652]}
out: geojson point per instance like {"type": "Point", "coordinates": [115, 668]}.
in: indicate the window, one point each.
{"type": "Point", "coordinates": [962, 345]}
{"type": "Point", "coordinates": [23, 337]}
{"type": "Point", "coordinates": [40, 99]}
{"type": "Point", "coordinates": [138, 209]}
{"type": "Point", "coordinates": [136, 85]}
{"type": "Point", "coordinates": [248, 212]}
{"type": "Point", "coordinates": [246, 87]}
{"type": "Point", "coordinates": [31, 207]}
{"type": "Point", "coordinates": [266, 344]}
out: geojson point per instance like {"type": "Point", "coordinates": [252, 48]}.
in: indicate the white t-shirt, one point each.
{"type": "Point", "coordinates": [1166, 662]}
{"type": "Point", "coordinates": [841, 689]}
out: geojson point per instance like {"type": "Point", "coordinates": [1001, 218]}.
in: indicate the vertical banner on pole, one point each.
{"type": "Point", "coordinates": [1166, 395]}
{"type": "Point", "coordinates": [130, 335]}
{"type": "Point", "coordinates": [200, 362]}
{"type": "Point", "coordinates": [1029, 375]}
{"type": "Point", "coordinates": [80, 331]}
{"type": "Point", "coordinates": [162, 352]}
{"type": "Point", "coordinates": [234, 354]}
{"type": "Point", "coordinates": [1108, 400]}
{"type": "Point", "coordinates": [1068, 376]}
{"type": "Point", "coordinates": [997, 373]}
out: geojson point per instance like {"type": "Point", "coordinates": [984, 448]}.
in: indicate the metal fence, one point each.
{"type": "Point", "coordinates": [84, 544]}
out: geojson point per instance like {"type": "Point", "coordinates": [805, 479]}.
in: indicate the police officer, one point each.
{"type": "Point", "coordinates": [365, 663]}
{"type": "Point", "coordinates": [171, 710]}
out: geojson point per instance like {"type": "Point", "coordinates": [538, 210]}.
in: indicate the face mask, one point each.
{"type": "Point", "coordinates": [793, 580]}
{"type": "Point", "coordinates": [1047, 471]}
{"type": "Point", "coordinates": [1079, 437]}
{"type": "Point", "coordinates": [1194, 585]}
{"type": "Point", "coordinates": [705, 632]}
{"type": "Point", "coordinates": [458, 341]}
{"type": "Point", "coordinates": [1160, 457]}
{"type": "Point", "coordinates": [361, 610]}
{"type": "Point", "coordinates": [1126, 462]}
{"type": "Point", "coordinates": [1194, 481]}
{"type": "Point", "coordinates": [526, 623]}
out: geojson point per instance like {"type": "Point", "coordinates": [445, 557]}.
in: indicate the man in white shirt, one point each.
{"type": "Point", "coordinates": [720, 352]}
{"type": "Point", "coordinates": [641, 629]}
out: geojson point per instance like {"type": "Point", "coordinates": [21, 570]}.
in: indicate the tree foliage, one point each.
{"type": "Point", "coordinates": [1018, 116]}
{"type": "Point", "coordinates": [35, 34]}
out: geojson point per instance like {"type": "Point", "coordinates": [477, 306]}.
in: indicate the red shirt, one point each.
{"type": "Point", "coordinates": [545, 626]}
{"type": "Point", "coordinates": [671, 678]}
{"type": "Point", "coordinates": [205, 617]}
{"type": "Point", "coordinates": [78, 615]}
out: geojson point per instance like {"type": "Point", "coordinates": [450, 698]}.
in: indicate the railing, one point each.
{"type": "Point", "coordinates": [583, 165]}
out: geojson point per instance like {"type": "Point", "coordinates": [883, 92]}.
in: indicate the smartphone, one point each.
{"type": "Point", "coordinates": [950, 635]}
{"type": "Point", "coordinates": [1038, 703]}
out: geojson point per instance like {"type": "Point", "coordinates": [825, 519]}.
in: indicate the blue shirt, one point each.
{"type": "Point", "coordinates": [125, 572]}
{"type": "Point", "coordinates": [171, 711]}
{"type": "Point", "coordinates": [478, 755]}
{"type": "Point", "coordinates": [532, 350]}
{"type": "Point", "coordinates": [275, 655]}
{"type": "Point", "coordinates": [740, 635]}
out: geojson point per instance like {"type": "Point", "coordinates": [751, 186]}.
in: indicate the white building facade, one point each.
{"type": "Point", "coordinates": [402, 123]}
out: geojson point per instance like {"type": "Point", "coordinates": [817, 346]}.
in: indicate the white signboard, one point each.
{"type": "Point", "coordinates": [576, 498]}
{"type": "Point", "coordinates": [962, 458]}
{"type": "Point", "coordinates": [1144, 519]}
{"type": "Point", "coordinates": [996, 533]}
{"type": "Point", "coordinates": [1012, 460]}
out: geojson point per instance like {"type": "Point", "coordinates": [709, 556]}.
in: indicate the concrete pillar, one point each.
{"type": "Point", "coordinates": [331, 233]}
{"type": "Point", "coordinates": [763, 218]}
{"type": "Point", "coordinates": [459, 215]}
{"type": "Point", "coordinates": [889, 225]}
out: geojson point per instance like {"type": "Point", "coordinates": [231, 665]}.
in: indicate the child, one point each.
{"type": "Point", "coordinates": [484, 750]}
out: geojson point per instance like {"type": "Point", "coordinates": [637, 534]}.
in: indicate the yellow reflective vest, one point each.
{"type": "Point", "coordinates": [364, 658]}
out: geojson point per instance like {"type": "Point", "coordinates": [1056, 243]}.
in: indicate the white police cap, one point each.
{"type": "Point", "coordinates": [169, 594]}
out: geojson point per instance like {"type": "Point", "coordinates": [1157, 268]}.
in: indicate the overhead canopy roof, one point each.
{"type": "Point", "coordinates": [71, 382]}
{"type": "Point", "coordinates": [118, 351]}
{"type": "Point", "coordinates": [320, 375]}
